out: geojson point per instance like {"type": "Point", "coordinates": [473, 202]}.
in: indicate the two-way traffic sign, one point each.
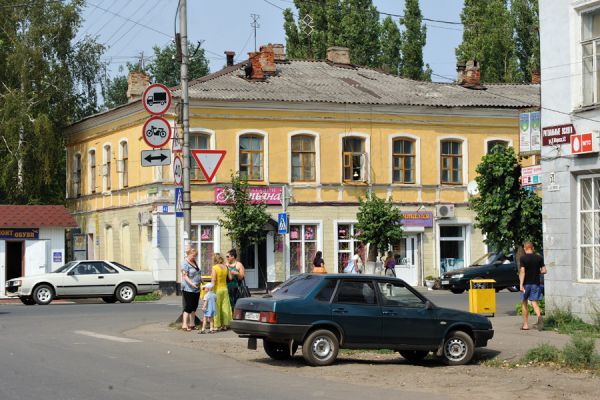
{"type": "Point", "coordinates": [155, 158]}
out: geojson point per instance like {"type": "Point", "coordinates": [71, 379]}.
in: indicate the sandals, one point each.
{"type": "Point", "coordinates": [524, 329]}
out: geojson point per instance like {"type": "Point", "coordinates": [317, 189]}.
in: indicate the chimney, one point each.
{"type": "Point", "coordinates": [279, 51]}
{"type": "Point", "coordinates": [137, 82]}
{"type": "Point", "coordinates": [536, 77]}
{"type": "Point", "coordinates": [254, 68]}
{"type": "Point", "coordinates": [267, 59]}
{"type": "Point", "coordinates": [230, 55]}
{"type": "Point", "coordinates": [469, 75]}
{"type": "Point", "coordinates": [338, 55]}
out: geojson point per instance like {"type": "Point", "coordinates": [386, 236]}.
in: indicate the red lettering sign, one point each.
{"type": "Point", "coordinates": [266, 195]}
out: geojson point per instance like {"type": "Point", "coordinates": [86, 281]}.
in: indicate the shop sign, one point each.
{"type": "Point", "coordinates": [417, 218]}
{"type": "Point", "coordinates": [257, 195]}
{"type": "Point", "coordinates": [57, 257]}
{"type": "Point", "coordinates": [583, 143]}
{"type": "Point", "coordinates": [19, 233]}
{"type": "Point", "coordinates": [559, 134]}
{"type": "Point", "coordinates": [531, 175]}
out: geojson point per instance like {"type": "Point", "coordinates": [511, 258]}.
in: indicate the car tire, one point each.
{"type": "Point", "coordinates": [279, 351]}
{"type": "Point", "coordinates": [458, 348]}
{"type": "Point", "coordinates": [457, 291]}
{"type": "Point", "coordinates": [125, 293]}
{"type": "Point", "coordinates": [414, 355]}
{"type": "Point", "coordinates": [320, 348]}
{"type": "Point", "coordinates": [43, 294]}
{"type": "Point", "coordinates": [28, 301]}
{"type": "Point", "coordinates": [109, 299]}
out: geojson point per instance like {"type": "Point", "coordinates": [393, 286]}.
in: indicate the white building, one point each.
{"type": "Point", "coordinates": [32, 240]}
{"type": "Point", "coordinates": [570, 69]}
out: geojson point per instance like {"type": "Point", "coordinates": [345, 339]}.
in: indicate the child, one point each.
{"type": "Point", "coordinates": [208, 308]}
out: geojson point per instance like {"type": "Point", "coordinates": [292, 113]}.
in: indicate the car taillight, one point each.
{"type": "Point", "coordinates": [238, 314]}
{"type": "Point", "coordinates": [268, 316]}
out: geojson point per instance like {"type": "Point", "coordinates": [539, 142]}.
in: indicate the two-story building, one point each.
{"type": "Point", "coordinates": [327, 131]}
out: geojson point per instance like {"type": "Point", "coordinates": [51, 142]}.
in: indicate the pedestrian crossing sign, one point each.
{"type": "Point", "coordinates": [179, 202]}
{"type": "Point", "coordinates": [282, 223]}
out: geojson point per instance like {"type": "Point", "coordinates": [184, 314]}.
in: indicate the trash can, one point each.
{"type": "Point", "coordinates": [204, 279]}
{"type": "Point", "coordinates": [482, 296]}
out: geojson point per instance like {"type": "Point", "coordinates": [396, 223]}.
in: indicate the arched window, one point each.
{"type": "Point", "coordinates": [451, 162]}
{"type": "Point", "coordinates": [303, 158]}
{"type": "Point", "coordinates": [108, 243]}
{"type": "Point", "coordinates": [124, 164]}
{"type": "Point", "coordinates": [403, 154]}
{"type": "Point", "coordinates": [77, 175]}
{"type": "Point", "coordinates": [106, 169]}
{"type": "Point", "coordinates": [92, 171]}
{"type": "Point", "coordinates": [252, 157]}
{"type": "Point", "coordinates": [354, 159]}
{"type": "Point", "coordinates": [198, 141]}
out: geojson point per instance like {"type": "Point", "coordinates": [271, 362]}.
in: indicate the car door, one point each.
{"type": "Point", "coordinates": [355, 308]}
{"type": "Point", "coordinates": [82, 280]}
{"type": "Point", "coordinates": [405, 318]}
{"type": "Point", "coordinates": [107, 279]}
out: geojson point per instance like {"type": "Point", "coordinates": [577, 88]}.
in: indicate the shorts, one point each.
{"type": "Point", "coordinates": [532, 293]}
{"type": "Point", "coordinates": [190, 301]}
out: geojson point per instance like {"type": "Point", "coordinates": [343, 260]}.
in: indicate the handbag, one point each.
{"type": "Point", "coordinates": [242, 290]}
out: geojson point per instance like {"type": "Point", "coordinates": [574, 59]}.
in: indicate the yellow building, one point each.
{"type": "Point", "coordinates": [327, 132]}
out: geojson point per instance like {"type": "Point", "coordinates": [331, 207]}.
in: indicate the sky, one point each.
{"type": "Point", "coordinates": [129, 28]}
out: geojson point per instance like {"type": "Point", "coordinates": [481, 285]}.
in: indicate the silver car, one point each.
{"type": "Point", "coordinates": [108, 280]}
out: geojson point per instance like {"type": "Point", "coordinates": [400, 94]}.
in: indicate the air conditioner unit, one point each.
{"type": "Point", "coordinates": [444, 211]}
{"type": "Point", "coordinates": [144, 218]}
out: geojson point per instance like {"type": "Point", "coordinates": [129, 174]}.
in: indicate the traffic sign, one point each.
{"type": "Point", "coordinates": [157, 99]}
{"type": "Point", "coordinates": [156, 132]}
{"type": "Point", "coordinates": [282, 223]}
{"type": "Point", "coordinates": [179, 202]}
{"type": "Point", "coordinates": [155, 158]}
{"type": "Point", "coordinates": [209, 161]}
{"type": "Point", "coordinates": [178, 171]}
{"type": "Point", "coordinates": [177, 143]}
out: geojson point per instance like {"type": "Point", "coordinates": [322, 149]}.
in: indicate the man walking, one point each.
{"type": "Point", "coordinates": [531, 267]}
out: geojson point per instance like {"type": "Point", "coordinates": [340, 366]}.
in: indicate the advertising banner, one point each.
{"type": "Point", "coordinates": [525, 133]}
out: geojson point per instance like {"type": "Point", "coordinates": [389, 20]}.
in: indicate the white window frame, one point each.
{"type": "Point", "coordinates": [317, 139]}
{"type": "Point", "coordinates": [367, 139]}
{"type": "Point", "coordinates": [92, 176]}
{"type": "Point", "coordinates": [77, 165]}
{"type": "Point", "coordinates": [465, 159]}
{"type": "Point", "coordinates": [417, 141]}
{"type": "Point", "coordinates": [467, 226]}
{"type": "Point", "coordinates": [121, 164]}
{"type": "Point", "coordinates": [216, 235]}
{"type": "Point", "coordinates": [579, 211]}
{"type": "Point", "coordinates": [319, 232]}
{"type": "Point", "coordinates": [211, 146]}
{"type": "Point", "coordinates": [579, 55]}
{"type": "Point", "coordinates": [265, 136]}
{"type": "Point", "coordinates": [336, 241]}
{"type": "Point", "coordinates": [494, 139]}
{"type": "Point", "coordinates": [106, 159]}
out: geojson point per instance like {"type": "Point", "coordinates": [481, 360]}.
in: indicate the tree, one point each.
{"type": "Point", "coordinates": [378, 224]}
{"type": "Point", "coordinates": [243, 220]}
{"type": "Point", "coordinates": [391, 46]}
{"type": "Point", "coordinates": [414, 38]}
{"type": "Point", "coordinates": [507, 214]}
{"type": "Point", "coordinates": [115, 91]}
{"type": "Point", "coordinates": [166, 69]}
{"type": "Point", "coordinates": [525, 19]}
{"type": "Point", "coordinates": [360, 31]}
{"type": "Point", "coordinates": [488, 38]}
{"type": "Point", "coordinates": [49, 80]}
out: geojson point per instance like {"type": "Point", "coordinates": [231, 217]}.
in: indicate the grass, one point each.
{"type": "Point", "coordinates": [541, 303]}
{"type": "Point", "coordinates": [148, 296]}
{"type": "Point", "coordinates": [579, 354]}
{"type": "Point", "coordinates": [544, 353]}
{"type": "Point", "coordinates": [565, 322]}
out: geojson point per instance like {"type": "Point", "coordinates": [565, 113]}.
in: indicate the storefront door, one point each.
{"type": "Point", "coordinates": [407, 260]}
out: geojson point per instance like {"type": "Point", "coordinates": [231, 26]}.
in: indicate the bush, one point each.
{"type": "Point", "coordinates": [541, 303]}
{"type": "Point", "coordinates": [542, 353]}
{"type": "Point", "coordinates": [563, 321]}
{"type": "Point", "coordinates": [148, 296]}
{"type": "Point", "coordinates": [579, 353]}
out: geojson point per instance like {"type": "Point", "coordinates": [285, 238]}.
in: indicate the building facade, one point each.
{"type": "Point", "coordinates": [570, 34]}
{"type": "Point", "coordinates": [326, 133]}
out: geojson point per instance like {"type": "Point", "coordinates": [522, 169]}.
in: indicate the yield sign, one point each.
{"type": "Point", "coordinates": [209, 161]}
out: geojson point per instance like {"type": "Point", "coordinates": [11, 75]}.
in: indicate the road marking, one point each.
{"type": "Point", "coordinates": [107, 337]}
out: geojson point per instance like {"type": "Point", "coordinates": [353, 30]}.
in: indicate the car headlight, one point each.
{"type": "Point", "coordinates": [15, 282]}
{"type": "Point", "coordinates": [458, 276]}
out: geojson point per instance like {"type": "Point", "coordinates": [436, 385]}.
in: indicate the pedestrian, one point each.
{"type": "Point", "coordinates": [209, 308]}
{"type": "Point", "coordinates": [318, 266]}
{"type": "Point", "coordinates": [531, 267]}
{"type": "Point", "coordinates": [355, 265]}
{"type": "Point", "coordinates": [190, 289]}
{"type": "Point", "coordinates": [220, 275]}
{"type": "Point", "coordinates": [238, 273]}
{"type": "Point", "coordinates": [389, 265]}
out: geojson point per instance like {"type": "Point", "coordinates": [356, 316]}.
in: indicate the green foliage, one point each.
{"type": "Point", "coordinates": [166, 69]}
{"type": "Point", "coordinates": [563, 321]}
{"type": "Point", "coordinates": [525, 19]}
{"type": "Point", "coordinates": [360, 31]}
{"type": "Point", "coordinates": [148, 296]}
{"type": "Point", "coordinates": [391, 46]}
{"type": "Point", "coordinates": [543, 353]}
{"type": "Point", "coordinates": [115, 91]}
{"type": "Point", "coordinates": [530, 310]}
{"type": "Point", "coordinates": [243, 220]}
{"type": "Point", "coordinates": [414, 38]}
{"type": "Point", "coordinates": [506, 213]}
{"type": "Point", "coordinates": [378, 224]}
{"type": "Point", "coordinates": [580, 353]}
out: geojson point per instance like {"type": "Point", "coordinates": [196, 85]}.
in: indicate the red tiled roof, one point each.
{"type": "Point", "coordinates": [35, 217]}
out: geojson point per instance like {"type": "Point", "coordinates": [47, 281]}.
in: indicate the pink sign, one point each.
{"type": "Point", "coordinates": [266, 195]}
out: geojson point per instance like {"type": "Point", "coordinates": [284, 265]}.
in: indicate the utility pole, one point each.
{"type": "Point", "coordinates": [185, 110]}
{"type": "Point", "coordinates": [254, 24]}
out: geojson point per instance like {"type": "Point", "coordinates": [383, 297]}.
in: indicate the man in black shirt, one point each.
{"type": "Point", "coordinates": [531, 267]}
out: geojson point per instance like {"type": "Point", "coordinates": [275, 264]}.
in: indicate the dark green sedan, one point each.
{"type": "Point", "coordinates": [323, 313]}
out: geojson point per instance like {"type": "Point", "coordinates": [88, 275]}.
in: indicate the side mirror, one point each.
{"type": "Point", "coordinates": [71, 272]}
{"type": "Point", "coordinates": [428, 305]}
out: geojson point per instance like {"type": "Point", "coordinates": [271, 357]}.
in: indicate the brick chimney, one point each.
{"type": "Point", "coordinates": [254, 68]}
{"type": "Point", "coordinates": [230, 56]}
{"type": "Point", "coordinates": [536, 77]}
{"type": "Point", "coordinates": [338, 55]}
{"type": "Point", "coordinates": [469, 75]}
{"type": "Point", "coordinates": [267, 59]}
{"type": "Point", "coordinates": [279, 51]}
{"type": "Point", "coordinates": [137, 82]}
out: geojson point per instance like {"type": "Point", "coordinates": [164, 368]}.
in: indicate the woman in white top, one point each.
{"type": "Point", "coordinates": [358, 262]}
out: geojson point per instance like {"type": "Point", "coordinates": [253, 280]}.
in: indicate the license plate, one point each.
{"type": "Point", "coordinates": [252, 316]}
{"type": "Point", "coordinates": [445, 282]}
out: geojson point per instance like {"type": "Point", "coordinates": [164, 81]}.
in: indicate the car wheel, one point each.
{"type": "Point", "coordinates": [43, 294]}
{"type": "Point", "coordinates": [109, 299]}
{"type": "Point", "coordinates": [320, 348]}
{"type": "Point", "coordinates": [28, 301]}
{"type": "Point", "coordinates": [414, 355]}
{"type": "Point", "coordinates": [457, 291]}
{"type": "Point", "coordinates": [279, 351]}
{"type": "Point", "coordinates": [458, 348]}
{"type": "Point", "coordinates": [125, 293]}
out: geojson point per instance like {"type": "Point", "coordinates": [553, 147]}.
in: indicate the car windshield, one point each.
{"type": "Point", "coordinates": [124, 268]}
{"type": "Point", "coordinates": [64, 267]}
{"type": "Point", "coordinates": [297, 286]}
{"type": "Point", "coordinates": [486, 259]}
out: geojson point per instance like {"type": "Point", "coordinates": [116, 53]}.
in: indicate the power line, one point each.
{"type": "Point", "coordinates": [109, 20]}
{"type": "Point", "coordinates": [135, 12]}
{"type": "Point", "coordinates": [134, 25]}
{"type": "Point", "coordinates": [130, 20]}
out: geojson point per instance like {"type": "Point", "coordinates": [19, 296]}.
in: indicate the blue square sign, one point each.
{"type": "Point", "coordinates": [282, 223]}
{"type": "Point", "coordinates": [179, 202]}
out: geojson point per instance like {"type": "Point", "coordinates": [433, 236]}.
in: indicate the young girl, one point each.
{"type": "Point", "coordinates": [208, 308]}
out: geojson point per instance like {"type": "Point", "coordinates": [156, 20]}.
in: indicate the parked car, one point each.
{"type": "Point", "coordinates": [323, 313]}
{"type": "Point", "coordinates": [108, 280]}
{"type": "Point", "coordinates": [502, 268]}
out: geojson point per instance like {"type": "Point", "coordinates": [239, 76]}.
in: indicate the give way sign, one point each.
{"type": "Point", "coordinates": [209, 161]}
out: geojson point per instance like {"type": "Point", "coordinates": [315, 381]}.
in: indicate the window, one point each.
{"type": "Point", "coordinates": [355, 292]}
{"type": "Point", "coordinates": [327, 291]}
{"type": "Point", "coordinates": [106, 169]}
{"type": "Point", "coordinates": [300, 286]}
{"type": "Point", "coordinates": [451, 162]}
{"type": "Point", "coordinates": [452, 248]}
{"type": "Point", "coordinates": [403, 161]}
{"type": "Point", "coordinates": [493, 143]}
{"type": "Point", "coordinates": [395, 294]}
{"type": "Point", "coordinates": [590, 51]}
{"type": "Point", "coordinates": [106, 269]}
{"type": "Point", "coordinates": [589, 231]}
{"type": "Point", "coordinates": [124, 167]}
{"type": "Point", "coordinates": [92, 171]}
{"type": "Point", "coordinates": [198, 141]}
{"type": "Point", "coordinates": [125, 244]}
{"type": "Point", "coordinates": [251, 157]}
{"type": "Point", "coordinates": [345, 244]}
{"type": "Point", "coordinates": [354, 160]}
{"type": "Point", "coordinates": [203, 236]}
{"type": "Point", "coordinates": [303, 247]}
{"type": "Point", "coordinates": [303, 158]}
{"type": "Point", "coordinates": [77, 175]}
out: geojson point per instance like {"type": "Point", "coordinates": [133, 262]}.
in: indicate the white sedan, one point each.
{"type": "Point", "coordinates": [108, 280]}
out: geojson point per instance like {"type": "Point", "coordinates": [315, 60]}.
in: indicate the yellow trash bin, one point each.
{"type": "Point", "coordinates": [204, 279]}
{"type": "Point", "coordinates": [482, 296]}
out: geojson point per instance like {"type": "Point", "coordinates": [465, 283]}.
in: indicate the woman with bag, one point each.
{"type": "Point", "coordinates": [220, 274]}
{"type": "Point", "coordinates": [237, 271]}
{"type": "Point", "coordinates": [319, 264]}
{"type": "Point", "coordinates": [190, 289]}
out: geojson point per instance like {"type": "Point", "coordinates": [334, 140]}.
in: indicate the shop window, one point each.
{"type": "Point", "coordinates": [123, 164]}
{"type": "Point", "coordinates": [355, 162]}
{"type": "Point", "coordinates": [589, 222]}
{"type": "Point", "coordinates": [198, 141]}
{"type": "Point", "coordinates": [346, 243]}
{"type": "Point", "coordinates": [92, 171]}
{"type": "Point", "coordinates": [203, 237]}
{"type": "Point", "coordinates": [77, 176]}
{"type": "Point", "coordinates": [303, 247]}
{"type": "Point", "coordinates": [403, 161]}
{"type": "Point", "coordinates": [491, 145]}
{"type": "Point", "coordinates": [590, 51]}
{"type": "Point", "coordinates": [452, 247]}
{"type": "Point", "coordinates": [106, 178]}
{"type": "Point", "coordinates": [451, 162]}
{"type": "Point", "coordinates": [303, 158]}
{"type": "Point", "coordinates": [251, 157]}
